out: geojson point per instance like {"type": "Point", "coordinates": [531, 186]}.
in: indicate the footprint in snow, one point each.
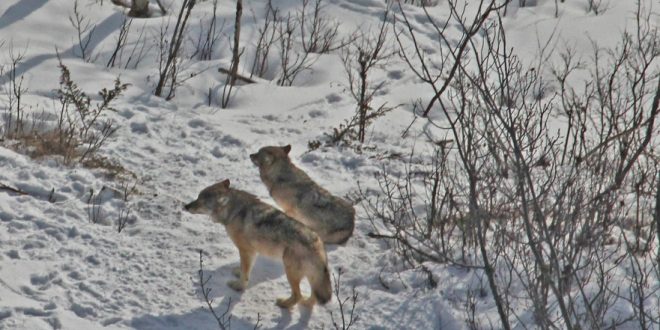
{"type": "Point", "coordinates": [395, 75]}
{"type": "Point", "coordinates": [197, 123]}
{"type": "Point", "coordinates": [333, 98]}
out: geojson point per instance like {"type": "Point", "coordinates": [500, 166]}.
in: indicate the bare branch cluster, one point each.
{"type": "Point", "coordinates": [170, 61]}
{"type": "Point", "coordinates": [85, 31]}
{"type": "Point", "coordinates": [224, 319]}
{"type": "Point", "coordinates": [136, 54]}
{"type": "Point", "coordinates": [230, 81]}
{"type": "Point", "coordinates": [347, 314]}
{"type": "Point", "coordinates": [15, 122]}
{"type": "Point", "coordinates": [504, 193]}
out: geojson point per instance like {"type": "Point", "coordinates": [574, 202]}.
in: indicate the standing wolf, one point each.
{"type": "Point", "coordinates": [301, 198]}
{"type": "Point", "coordinates": [256, 227]}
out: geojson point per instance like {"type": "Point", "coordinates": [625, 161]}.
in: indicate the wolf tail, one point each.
{"type": "Point", "coordinates": [321, 285]}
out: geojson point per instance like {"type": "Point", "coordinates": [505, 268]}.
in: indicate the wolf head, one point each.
{"type": "Point", "coordinates": [266, 156]}
{"type": "Point", "coordinates": [209, 199]}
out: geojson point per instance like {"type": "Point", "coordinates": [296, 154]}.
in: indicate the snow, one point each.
{"type": "Point", "coordinates": [60, 271]}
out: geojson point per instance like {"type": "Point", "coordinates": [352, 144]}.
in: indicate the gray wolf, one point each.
{"type": "Point", "coordinates": [256, 227]}
{"type": "Point", "coordinates": [301, 198]}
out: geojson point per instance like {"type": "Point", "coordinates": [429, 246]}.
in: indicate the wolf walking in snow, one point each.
{"type": "Point", "coordinates": [256, 227]}
{"type": "Point", "coordinates": [301, 198]}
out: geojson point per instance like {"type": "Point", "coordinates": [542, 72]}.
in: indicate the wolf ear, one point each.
{"type": "Point", "coordinates": [225, 183]}
{"type": "Point", "coordinates": [286, 148]}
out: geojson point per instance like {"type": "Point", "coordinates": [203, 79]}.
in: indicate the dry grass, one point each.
{"type": "Point", "coordinates": [39, 145]}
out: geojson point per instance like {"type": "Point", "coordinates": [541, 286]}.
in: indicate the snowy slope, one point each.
{"type": "Point", "coordinates": [59, 271]}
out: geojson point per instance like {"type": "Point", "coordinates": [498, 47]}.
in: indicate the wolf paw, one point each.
{"type": "Point", "coordinates": [237, 285]}
{"type": "Point", "coordinates": [287, 302]}
{"type": "Point", "coordinates": [309, 302]}
{"type": "Point", "coordinates": [236, 271]}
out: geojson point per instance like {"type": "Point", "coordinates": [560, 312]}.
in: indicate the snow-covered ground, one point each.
{"type": "Point", "coordinates": [59, 271]}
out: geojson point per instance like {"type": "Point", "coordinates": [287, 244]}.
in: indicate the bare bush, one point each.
{"type": "Point", "coordinates": [597, 6]}
{"type": "Point", "coordinates": [121, 41]}
{"type": "Point", "coordinates": [558, 213]}
{"type": "Point", "coordinates": [123, 218]}
{"type": "Point", "coordinates": [169, 62]}
{"type": "Point", "coordinates": [235, 58]}
{"type": "Point", "coordinates": [82, 128]}
{"type": "Point", "coordinates": [209, 35]}
{"type": "Point", "coordinates": [84, 30]}
{"type": "Point", "coordinates": [346, 313]}
{"type": "Point", "coordinates": [292, 63]}
{"type": "Point", "coordinates": [360, 60]}
{"type": "Point", "coordinates": [265, 40]}
{"type": "Point", "coordinates": [15, 121]}
{"type": "Point", "coordinates": [318, 34]}
{"type": "Point", "coordinates": [224, 319]}
{"type": "Point", "coordinates": [94, 205]}
{"type": "Point", "coordinates": [140, 48]}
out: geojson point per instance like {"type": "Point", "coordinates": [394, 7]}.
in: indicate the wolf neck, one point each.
{"type": "Point", "coordinates": [231, 206]}
{"type": "Point", "coordinates": [280, 172]}
{"type": "Point", "coordinates": [227, 208]}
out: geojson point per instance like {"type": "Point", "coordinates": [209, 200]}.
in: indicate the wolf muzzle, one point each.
{"type": "Point", "coordinates": [187, 207]}
{"type": "Point", "coordinates": [253, 158]}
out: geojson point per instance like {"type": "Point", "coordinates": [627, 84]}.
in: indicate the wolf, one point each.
{"type": "Point", "coordinates": [301, 198]}
{"type": "Point", "coordinates": [256, 227]}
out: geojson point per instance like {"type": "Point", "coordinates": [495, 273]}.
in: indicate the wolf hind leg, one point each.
{"type": "Point", "coordinates": [236, 271]}
{"type": "Point", "coordinates": [294, 276]}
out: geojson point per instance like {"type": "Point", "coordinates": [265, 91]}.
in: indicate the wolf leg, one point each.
{"type": "Point", "coordinates": [294, 275]}
{"type": "Point", "coordinates": [294, 280]}
{"type": "Point", "coordinates": [236, 271]}
{"type": "Point", "coordinates": [247, 257]}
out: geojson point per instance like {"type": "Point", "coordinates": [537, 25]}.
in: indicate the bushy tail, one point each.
{"type": "Point", "coordinates": [321, 285]}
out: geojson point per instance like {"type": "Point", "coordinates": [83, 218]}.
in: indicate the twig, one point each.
{"type": "Point", "coordinates": [224, 320]}
{"type": "Point", "coordinates": [12, 189]}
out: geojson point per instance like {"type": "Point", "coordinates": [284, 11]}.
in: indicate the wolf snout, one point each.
{"type": "Point", "coordinates": [253, 158]}
{"type": "Point", "coordinates": [187, 206]}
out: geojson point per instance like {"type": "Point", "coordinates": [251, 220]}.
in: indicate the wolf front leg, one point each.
{"type": "Point", "coordinates": [247, 257]}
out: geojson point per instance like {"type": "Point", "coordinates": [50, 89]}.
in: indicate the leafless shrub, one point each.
{"type": "Point", "coordinates": [15, 117]}
{"type": "Point", "coordinates": [265, 40]}
{"type": "Point", "coordinates": [292, 63]}
{"type": "Point", "coordinates": [121, 41]}
{"type": "Point", "coordinates": [347, 316]}
{"type": "Point", "coordinates": [597, 6]}
{"type": "Point", "coordinates": [557, 213]}
{"type": "Point", "coordinates": [137, 52]}
{"type": "Point", "coordinates": [123, 219]}
{"type": "Point", "coordinates": [169, 63]}
{"type": "Point", "coordinates": [360, 60]}
{"type": "Point", "coordinates": [128, 186]}
{"type": "Point", "coordinates": [224, 319]}
{"type": "Point", "coordinates": [449, 60]}
{"type": "Point", "coordinates": [94, 205]}
{"type": "Point", "coordinates": [83, 130]}
{"type": "Point", "coordinates": [318, 34]}
{"type": "Point", "coordinates": [235, 58]}
{"type": "Point", "coordinates": [472, 319]}
{"type": "Point", "coordinates": [209, 36]}
{"type": "Point", "coordinates": [84, 29]}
